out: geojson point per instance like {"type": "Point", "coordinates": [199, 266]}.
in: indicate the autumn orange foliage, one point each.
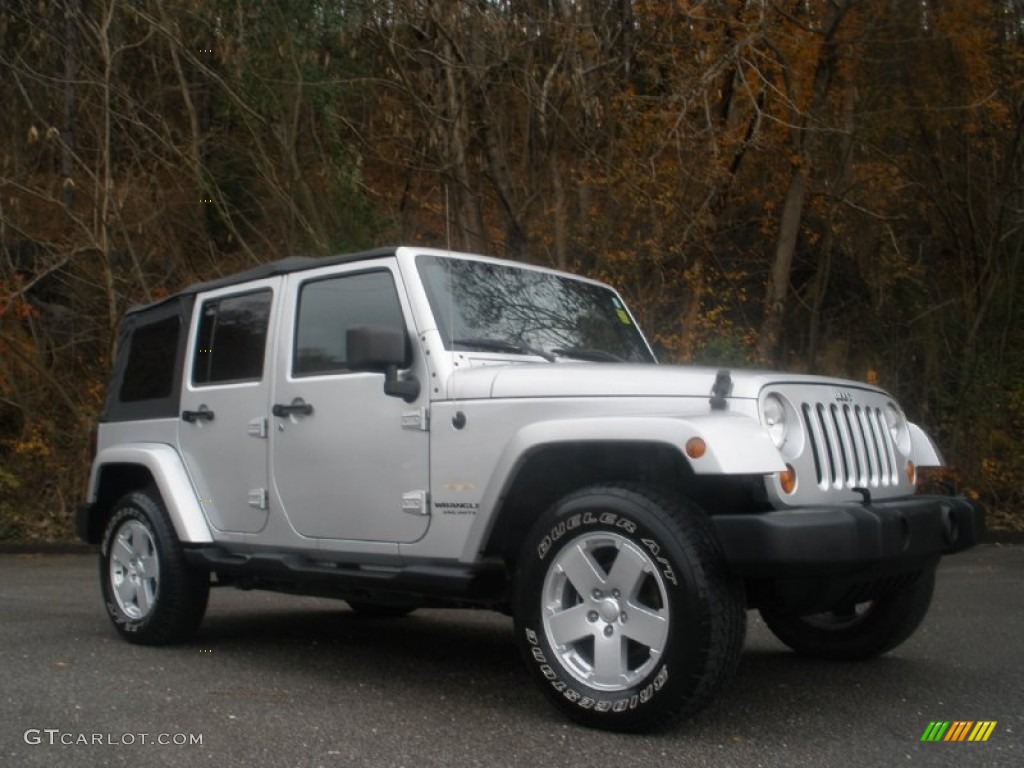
{"type": "Point", "coordinates": [826, 185]}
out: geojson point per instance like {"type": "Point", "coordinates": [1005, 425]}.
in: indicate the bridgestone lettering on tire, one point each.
{"type": "Point", "coordinates": [152, 595]}
{"type": "Point", "coordinates": [860, 631]}
{"type": "Point", "coordinates": [625, 611]}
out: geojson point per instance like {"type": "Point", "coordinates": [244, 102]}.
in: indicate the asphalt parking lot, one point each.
{"type": "Point", "coordinates": [274, 680]}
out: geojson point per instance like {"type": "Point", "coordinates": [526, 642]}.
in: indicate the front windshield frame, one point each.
{"type": "Point", "coordinates": [532, 312]}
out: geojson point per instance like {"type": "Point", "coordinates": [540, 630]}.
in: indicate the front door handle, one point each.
{"type": "Point", "coordinates": [297, 406]}
{"type": "Point", "coordinates": [203, 414]}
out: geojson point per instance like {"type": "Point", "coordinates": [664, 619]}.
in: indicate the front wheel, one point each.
{"type": "Point", "coordinates": [857, 630]}
{"type": "Point", "coordinates": [152, 595]}
{"type": "Point", "coordinates": [625, 611]}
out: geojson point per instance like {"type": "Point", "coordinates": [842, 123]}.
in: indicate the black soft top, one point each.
{"type": "Point", "coordinates": [174, 312]}
{"type": "Point", "coordinates": [279, 267]}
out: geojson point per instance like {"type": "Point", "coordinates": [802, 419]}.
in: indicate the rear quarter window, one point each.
{"type": "Point", "coordinates": [146, 381]}
{"type": "Point", "coordinates": [149, 373]}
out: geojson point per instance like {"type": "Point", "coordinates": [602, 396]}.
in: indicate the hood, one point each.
{"type": "Point", "coordinates": [522, 380]}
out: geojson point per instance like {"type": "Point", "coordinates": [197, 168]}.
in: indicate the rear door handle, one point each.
{"type": "Point", "coordinates": [203, 414]}
{"type": "Point", "coordinates": [297, 406]}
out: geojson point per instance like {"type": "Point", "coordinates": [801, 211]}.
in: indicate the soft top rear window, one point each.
{"type": "Point", "coordinates": [149, 374]}
{"type": "Point", "coordinates": [146, 383]}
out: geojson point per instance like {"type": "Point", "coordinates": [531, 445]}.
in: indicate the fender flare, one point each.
{"type": "Point", "coordinates": [735, 445]}
{"type": "Point", "coordinates": [923, 451]}
{"type": "Point", "coordinates": [172, 480]}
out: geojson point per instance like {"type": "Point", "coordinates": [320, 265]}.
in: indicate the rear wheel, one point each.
{"type": "Point", "coordinates": [857, 630]}
{"type": "Point", "coordinates": [152, 595]}
{"type": "Point", "coordinates": [625, 611]}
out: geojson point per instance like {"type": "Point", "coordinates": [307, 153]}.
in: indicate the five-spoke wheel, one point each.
{"type": "Point", "coordinates": [606, 610]}
{"type": "Point", "coordinates": [134, 569]}
{"type": "Point", "coordinates": [152, 594]}
{"type": "Point", "coordinates": [625, 610]}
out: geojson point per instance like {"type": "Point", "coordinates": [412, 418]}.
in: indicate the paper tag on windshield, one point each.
{"type": "Point", "coordinates": [621, 311]}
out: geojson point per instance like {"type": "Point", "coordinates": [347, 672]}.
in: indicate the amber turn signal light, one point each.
{"type": "Point", "coordinates": [911, 472]}
{"type": "Point", "coordinates": [696, 447]}
{"type": "Point", "coordinates": [787, 479]}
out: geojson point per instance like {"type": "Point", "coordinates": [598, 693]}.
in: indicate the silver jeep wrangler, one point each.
{"type": "Point", "coordinates": [412, 427]}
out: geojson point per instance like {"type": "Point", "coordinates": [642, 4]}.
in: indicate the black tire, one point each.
{"type": "Point", "coordinates": [860, 631]}
{"type": "Point", "coordinates": [152, 595]}
{"type": "Point", "coordinates": [637, 647]}
{"type": "Point", "coordinates": [372, 610]}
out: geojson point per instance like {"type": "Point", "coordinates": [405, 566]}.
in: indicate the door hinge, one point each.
{"type": "Point", "coordinates": [418, 419]}
{"type": "Point", "coordinates": [258, 498]}
{"type": "Point", "coordinates": [257, 427]}
{"type": "Point", "coordinates": [416, 503]}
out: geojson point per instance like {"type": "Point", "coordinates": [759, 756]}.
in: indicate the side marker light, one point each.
{"type": "Point", "coordinates": [696, 447]}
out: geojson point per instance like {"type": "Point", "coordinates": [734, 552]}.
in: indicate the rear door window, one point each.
{"type": "Point", "coordinates": [232, 339]}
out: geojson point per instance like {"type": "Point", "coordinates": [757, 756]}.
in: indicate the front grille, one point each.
{"type": "Point", "coordinates": [851, 446]}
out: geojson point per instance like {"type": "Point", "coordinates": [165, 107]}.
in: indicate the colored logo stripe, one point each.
{"type": "Point", "coordinates": [982, 730]}
{"type": "Point", "coordinates": [958, 730]}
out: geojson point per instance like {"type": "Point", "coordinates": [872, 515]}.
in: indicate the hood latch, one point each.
{"type": "Point", "coordinates": [720, 390]}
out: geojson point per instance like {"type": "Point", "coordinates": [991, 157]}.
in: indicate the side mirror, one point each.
{"type": "Point", "coordinates": [381, 348]}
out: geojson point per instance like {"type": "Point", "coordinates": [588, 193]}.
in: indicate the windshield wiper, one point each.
{"type": "Point", "coordinates": [591, 355]}
{"type": "Point", "coordinates": [504, 345]}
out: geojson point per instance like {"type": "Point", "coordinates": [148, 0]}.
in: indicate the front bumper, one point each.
{"type": "Point", "coordinates": [876, 539]}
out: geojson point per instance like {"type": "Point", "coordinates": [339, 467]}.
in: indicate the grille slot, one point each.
{"type": "Point", "coordinates": [850, 445]}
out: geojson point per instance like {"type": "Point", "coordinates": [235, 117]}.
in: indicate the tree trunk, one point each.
{"type": "Point", "coordinates": [72, 9]}
{"type": "Point", "coordinates": [838, 189]}
{"type": "Point", "coordinates": [104, 175]}
{"type": "Point", "coordinates": [468, 215]}
{"type": "Point", "coordinates": [796, 194]}
{"type": "Point", "coordinates": [778, 281]}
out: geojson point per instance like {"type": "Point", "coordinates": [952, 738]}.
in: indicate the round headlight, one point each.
{"type": "Point", "coordinates": [898, 428]}
{"type": "Point", "coordinates": [774, 411]}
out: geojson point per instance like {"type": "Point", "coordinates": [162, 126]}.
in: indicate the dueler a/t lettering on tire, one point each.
{"type": "Point", "coordinates": [152, 595]}
{"type": "Point", "coordinates": [625, 611]}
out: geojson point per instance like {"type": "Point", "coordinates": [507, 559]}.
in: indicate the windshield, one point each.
{"type": "Point", "coordinates": [498, 308]}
